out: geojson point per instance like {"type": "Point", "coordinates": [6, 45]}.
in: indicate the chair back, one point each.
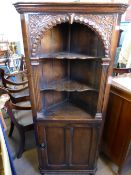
{"type": "Point", "coordinates": [23, 64]}
{"type": "Point", "coordinates": [12, 104]}
{"type": "Point", "coordinates": [2, 72]}
{"type": "Point", "coordinates": [121, 70]}
{"type": "Point", "coordinates": [8, 82]}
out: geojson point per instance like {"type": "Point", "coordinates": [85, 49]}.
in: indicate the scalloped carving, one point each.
{"type": "Point", "coordinates": [101, 24]}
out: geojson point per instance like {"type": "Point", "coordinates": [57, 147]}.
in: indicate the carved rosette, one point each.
{"type": "Point", "coordinates": [101, 24]}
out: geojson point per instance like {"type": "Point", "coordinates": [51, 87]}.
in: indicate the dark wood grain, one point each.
{"type": "Point", "coordinates": [65, 111]}
{"type": "Point", "coordinates": [64, 7]}
{"type": "Point", "coordinates": [63, 154]}
{"type": "Point", "coordinates": [117, 131]}
{"type": "Point", "coordinates": [69, 49]}
{"type": "Point", "coordinates": [66, 55]}
{"type": "Point", "coordinates": [68, 86]}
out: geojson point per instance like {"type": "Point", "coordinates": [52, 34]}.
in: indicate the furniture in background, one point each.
{"type": "Point", "coordinates": [20, 113]}
{"type": "Point", "coordinates": [14, 82]}
{"type": "Point", "coordinates": [123, 28]}
{"type": "Point", "coordinates": [4, 45]}
{"type": "Point", "coordinates": [118, 71]}
{"type": "Point", "coordinates": [69, 48]}
{"type": "Point", "coordinates": [3, 99]}
{"type": "Point", "coordinates": [23, 68]}
{"type": "Point", "coordinates": [23, 63]}
{"type": "Point", "coordinates": [21, 116]}
{"type": "Point", "coordinates": [4, 60]}
{"type": "Point", "coordinates": [4, 55]}
{"type": "Point", "coordinates": [122, 36]}
{"type": "Point", "coordinates": [117, 130]}
{"type": "Point", "coordinates": [10, 58]}
{"type": "Point", "coordinates": [14, 62]}
{"type": "Point", "coordinates": [6, 162]}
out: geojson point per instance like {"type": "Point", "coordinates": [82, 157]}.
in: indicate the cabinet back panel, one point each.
{"type": "Point", "coordinates": [85, 41]}
{"type": "Point", "coordinates": [52, 70]}
{"type": "Point", "coordinates": [54, 40]}
{"type": "Point", "coordinates": [86, 71]}
{"type": "Point", "coordinates": [75, 38]}
{"type": "Point", "coordinates": [51, 98]}
{"type": "Point", "coordinates": [85, 100]}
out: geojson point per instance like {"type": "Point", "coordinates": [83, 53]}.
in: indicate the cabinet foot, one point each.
{"type": "Point", "coordinates": [119, 171]}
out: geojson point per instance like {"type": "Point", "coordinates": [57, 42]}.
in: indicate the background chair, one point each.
{"type": "Point", "coordinates": [14, 83]}
{"type": "Point", "coordinates": [19, 108]}
{"type": "Point", "coordinates": [20, 113]}
{"type": "Point", "coordinates": [117, 71]}
{"type": "Point", "coordinates": [4, 60]}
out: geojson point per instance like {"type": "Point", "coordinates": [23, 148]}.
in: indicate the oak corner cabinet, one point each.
{"type": "Point", "coordinates": [69, 50]}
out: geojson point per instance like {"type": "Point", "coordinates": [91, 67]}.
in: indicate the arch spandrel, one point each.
{"type": "Point", "coordinates": [101, 24]}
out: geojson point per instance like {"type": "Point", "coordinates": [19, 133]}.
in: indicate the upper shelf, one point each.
{"type": "Point", "coordinates": [65, 55]}
{"type": "Point", "coordinates": [68, 86]}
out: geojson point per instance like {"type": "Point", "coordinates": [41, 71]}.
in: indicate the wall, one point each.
{"type": "Point", "coordinates": [10, 26]}
{"type": "Point", "coordinates": [128, 12]}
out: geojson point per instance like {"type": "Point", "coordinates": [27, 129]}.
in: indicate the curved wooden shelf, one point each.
{"type": "Point", "coordinates": [66, 55]}
{"type": "Point", "coordinates": [68, 85]}
{"type": "Point", "coordinates": [65, 111]}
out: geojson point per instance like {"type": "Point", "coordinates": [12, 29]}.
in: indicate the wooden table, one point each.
{"type": "Point", "coordinates": [117, 130]}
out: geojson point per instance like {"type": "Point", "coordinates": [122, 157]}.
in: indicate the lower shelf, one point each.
{"type": "Point", "coordinates": [65, 111]}
{"type": "Point", "coordinates": [68, 86]}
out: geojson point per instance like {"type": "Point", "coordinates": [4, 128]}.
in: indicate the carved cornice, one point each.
{"type": "Point", "coordinates": [101, 24]}
{"type": "Point", "coordinates": [27, 7]}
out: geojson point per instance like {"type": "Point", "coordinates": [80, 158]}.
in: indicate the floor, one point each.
{"type": "Point", "coordinates": [28, 164]}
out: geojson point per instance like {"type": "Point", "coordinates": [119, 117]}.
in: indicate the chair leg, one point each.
{"type": "Point", "coordinates": [11, 129]}
{"type": "Point", "coordinates": [21, 143]}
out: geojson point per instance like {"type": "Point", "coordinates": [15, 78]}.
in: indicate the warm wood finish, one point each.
{"type": "Point", "coordinates": [68, 85]}
{"type": "Point", "coordinates": [58, 141]}
{"type": "Point", "coordinates": [66, 111]}
{"type": "Point", "coordinates": [117, 131]}
{"type": "Point", "coordinates": [64, 7]}
{"type": "Point", "coordinates": [64, 55]}
{"type": "Point", "coordinates": [69, 56]}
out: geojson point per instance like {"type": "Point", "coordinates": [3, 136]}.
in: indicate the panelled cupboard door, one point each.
{"type": "Point", "coordinates": [64, 146]}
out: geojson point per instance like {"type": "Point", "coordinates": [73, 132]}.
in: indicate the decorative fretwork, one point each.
{"type": "Point", "coordinates": [101, 24]}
